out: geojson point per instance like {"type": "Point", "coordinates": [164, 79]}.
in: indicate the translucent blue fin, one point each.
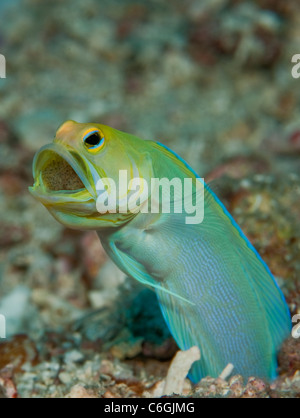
{"type": "Point", "coordinates": [187, 334]}
{"type": "Point", "coordinates": [136, 270]}
{"type": "Point", "coordinates": [269, 296]}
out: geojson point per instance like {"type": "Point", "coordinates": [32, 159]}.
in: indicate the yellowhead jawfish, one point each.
{"type": "Point", "coordinates": [213, 288]}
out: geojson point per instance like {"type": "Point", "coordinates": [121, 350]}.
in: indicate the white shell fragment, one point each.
{"type": "Point", "coordinates": [179, 369]}
{"type": "Point", "coordinates": [227, 372]}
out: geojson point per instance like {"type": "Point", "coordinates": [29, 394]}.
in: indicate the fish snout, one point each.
{"type": "Point", "coordinates": [67, 133]}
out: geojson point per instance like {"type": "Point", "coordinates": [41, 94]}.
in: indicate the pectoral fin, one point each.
{"type": "Point", "coordinates": [136, 270]}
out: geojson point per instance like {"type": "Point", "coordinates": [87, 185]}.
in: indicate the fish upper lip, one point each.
{"type": "Point", "coordinates": [64, 195]}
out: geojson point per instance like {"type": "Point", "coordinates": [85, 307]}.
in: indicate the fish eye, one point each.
{"type": "Point", "coordinates": [93, 140]}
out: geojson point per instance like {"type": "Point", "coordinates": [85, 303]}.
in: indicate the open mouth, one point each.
{"type": "Point", "coordinates": [58, 175]}
{"type": "Point", "coordinates": [62, 177]}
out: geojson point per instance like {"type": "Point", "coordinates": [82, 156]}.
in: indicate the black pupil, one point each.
{"type": "Point", "coordinates": [93, 139]}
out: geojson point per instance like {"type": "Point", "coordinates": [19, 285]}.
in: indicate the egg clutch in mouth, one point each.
{"type": "Point", "coordinates": [59, 175]}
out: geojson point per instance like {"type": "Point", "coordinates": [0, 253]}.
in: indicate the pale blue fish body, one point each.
{"type": "Point", "coordinates": [229, 304]}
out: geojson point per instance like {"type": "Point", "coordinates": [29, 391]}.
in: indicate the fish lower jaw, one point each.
{"type": "Point", "coordinates": [65, 199]}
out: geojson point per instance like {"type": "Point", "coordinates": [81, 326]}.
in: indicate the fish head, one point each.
{"type": "Point", "coordinates": [78, 168]}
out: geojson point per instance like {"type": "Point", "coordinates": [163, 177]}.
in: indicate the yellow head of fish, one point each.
{"type": "Point", "coordinates": [68, 171]}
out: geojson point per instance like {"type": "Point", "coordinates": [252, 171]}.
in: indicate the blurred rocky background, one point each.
{"type": "Point", "coordinates": [212, 80]}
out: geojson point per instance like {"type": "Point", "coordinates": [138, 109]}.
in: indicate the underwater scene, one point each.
{"type": "Point", "coordinates": [150, 200]}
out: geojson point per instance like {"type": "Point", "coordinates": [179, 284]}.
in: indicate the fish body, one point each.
{"type": "Point", "coordinates": [213, 288]}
